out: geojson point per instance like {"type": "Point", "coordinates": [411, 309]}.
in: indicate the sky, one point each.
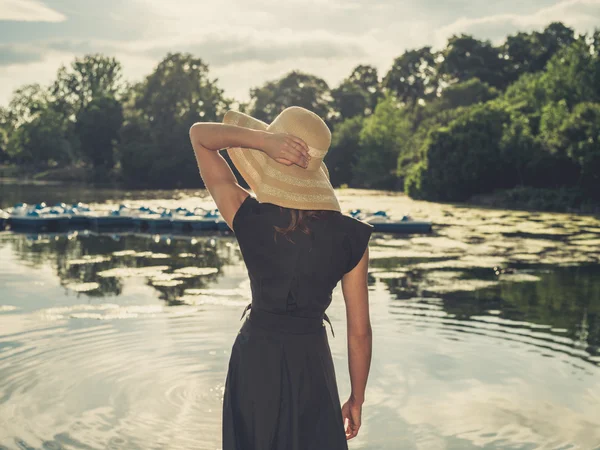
{"type": "Point", "coordinates": [246, 44]}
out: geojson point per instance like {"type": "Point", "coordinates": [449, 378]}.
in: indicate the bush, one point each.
{"type": "Point", "coordinates": [462, 159]}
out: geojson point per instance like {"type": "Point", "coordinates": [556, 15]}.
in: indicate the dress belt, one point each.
{"type": "Point", "coordinates": [286, 322]}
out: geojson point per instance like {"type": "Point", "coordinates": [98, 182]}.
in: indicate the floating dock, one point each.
{"type": "Point", "coordinates": [42, 218]}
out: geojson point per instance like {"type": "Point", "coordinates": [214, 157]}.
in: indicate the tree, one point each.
{"type": "Point", "coordinates": [163, 107]}
{"type": "Point", "coordinates": [86, 79]}
{"type": "Point", "coordinates": [5, 129]}
{"type": "Point", "coordinates": [27, 103]}
{"type": "Point", "coordinates": [555, 37]}
{"type": "Point", "coordinates": [138, 152]}
{"type": "Point", "coordinates": [467, 93]}
{"type": "Point", "coordinates": [98, 125]}
{"type": "Point", "coordinates": [344, 151]}
{"type": "Point", "coordinates": [36, 133]}
{"type": "Point", "coordinates": [529, 52]}
{"type": "Point", "coordinates": [554, 115]}
{"type": "Point", "coordinates": [295, 89]}
{"type": "Point", "coordinates": [571, 74]}
{"type": "Point", "coordinates": [465, 58]}
{"type": "Point", "coordinates": [413, 76]}
{"type": "Point", "coordinates": [358, 94]}
{"type": "Point", "coordinates": [382, 139]}
{"type": "Point", "coordinates": [462, 159]}
{"type": "Point", "coordinates": [520, 154]}
{"type": "Point", "coordinates": [41, 141]}
{"type": "Point", "coordinates": [581, 137]}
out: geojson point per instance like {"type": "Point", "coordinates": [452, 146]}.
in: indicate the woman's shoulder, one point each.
{"type": "Point", "coordinates": [357, 234]}
{"type": "Point", "coordinates": [351, 223]}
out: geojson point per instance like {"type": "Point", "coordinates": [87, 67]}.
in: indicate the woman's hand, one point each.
{"type": "Point", "coordinates": [351, 413]}
{"type": "Point", "coordinates": [286, 149]}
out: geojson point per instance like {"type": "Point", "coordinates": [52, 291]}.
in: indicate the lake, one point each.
{"type": "Point", "coordinates": [486, 333]}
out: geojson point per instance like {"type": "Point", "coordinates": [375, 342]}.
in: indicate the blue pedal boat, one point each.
{"type": "Point", "coordinates": [383, 223]}
{"type": "Point", "coordinates": [38, 217]}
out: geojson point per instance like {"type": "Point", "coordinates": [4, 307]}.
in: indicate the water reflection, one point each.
{"type": "Point", "coordinates": [559, 306]}
{"type": "Point", "coordinates": [96, 264]}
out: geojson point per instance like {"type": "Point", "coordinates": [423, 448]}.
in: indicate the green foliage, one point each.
{"type": "Point", "coordinates": [178, 93]}
{"type": "Point", "coordinates": [470, 119]}
{"type": "Point", "coordinates": [5, 130]}
{"type": "Point", "coordinates": [466, 93]}
{"type": "Point", "coordinates": [462, 159]}
{"type": "Point", "coordinates": [357, 95]}
{"type": "Point", "coordinates": [41, 141]}
{"type": "Point", "coordinates": [26, 104]}
{"type": "Point", "coordinates": [570, 75]}
{"type": "Point", "coordinates": [98, 126]}
{"type": "Point", "coordinates": [552, 118]}
{"type": "Point", "coordinates": [345, 149]}
{"type": "Point", "coordinates": [413, 76]}
{"type": "Point", "coordinates": [138, 152]}
{"type": "Point", "coordinates": [526, 95]}
{"type": "Point", "coordinates": [382, 139]}
{"type": "Point", "coordinates": [3, 143]}
{"type": "Point", "coordinates": [581, 137]}
{"type": "Point", "coordinates": [545, 199]}
{"type": "Point", "coordinates": [86, 79]}
{"type": "Point", "coordinates": [529, 52]}
{"type": "Point", "coordinates": [466, 57]}
{"type": "Point", "coordinates": [38, 135]}
{"type": "Point", "coordinates": [295, 89]}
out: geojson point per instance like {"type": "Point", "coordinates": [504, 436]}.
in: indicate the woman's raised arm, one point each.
{"type": "Point", "coordinates": [216, 136]}
{"type": "Point", "coordinates": [208, 138]}
{"type": "Point", "coordinates": [282, 147]}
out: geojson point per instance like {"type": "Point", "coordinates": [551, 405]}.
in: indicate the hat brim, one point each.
{"type": "Point", "coordinates": [272, 182]}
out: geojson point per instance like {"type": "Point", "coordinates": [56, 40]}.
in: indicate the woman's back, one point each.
{"type": "Point", "coordinates": [297, 276]}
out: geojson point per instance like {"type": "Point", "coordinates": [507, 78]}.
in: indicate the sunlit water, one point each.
{"type": "Point", "coordinates": [122, 341]}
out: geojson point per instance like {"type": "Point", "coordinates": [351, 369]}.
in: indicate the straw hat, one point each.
{"type": "Point", "coordinates": [289, 186]}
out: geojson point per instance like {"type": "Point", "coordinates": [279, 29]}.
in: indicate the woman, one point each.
{"type": "Point", "coordinates": [280, 390]}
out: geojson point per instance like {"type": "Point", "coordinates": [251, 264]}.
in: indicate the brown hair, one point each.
{"type": "Point", "coordinates": [299, 220]}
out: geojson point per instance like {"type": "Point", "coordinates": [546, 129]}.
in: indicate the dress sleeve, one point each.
{"type": "Point", "coordinates": [358, 234]}
{"type": "Point", "coordinates": [246, 209]}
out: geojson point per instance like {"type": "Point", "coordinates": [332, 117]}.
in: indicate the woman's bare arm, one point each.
{"type": "Point", "coordinates": [216, 136]}
{"type": "Point", "coordinates": [360, 336]}
{"type": "Point", "coordinates": [208, 138]}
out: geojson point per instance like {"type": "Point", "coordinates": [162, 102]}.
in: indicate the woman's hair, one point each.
{"type": "Point", "coordinates": [299, 220]}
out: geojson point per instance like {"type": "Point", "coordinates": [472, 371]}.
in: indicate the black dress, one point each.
{"type": "Point", "coordinates": [280, 391]}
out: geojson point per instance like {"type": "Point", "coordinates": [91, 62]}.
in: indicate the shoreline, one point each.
{"type": "Point", "coordinates": [553, 200]}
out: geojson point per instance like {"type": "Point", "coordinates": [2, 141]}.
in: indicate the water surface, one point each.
{"type": "Point", "coordinates": [486, 333]}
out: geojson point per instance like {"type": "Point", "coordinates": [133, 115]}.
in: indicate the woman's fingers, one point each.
{"type": "Point", "coordinates": [351, 423]}
{"type": "Point", "coordinates": [284, 161]}
{"type": "Point", "coordinates": [299, 144]}
{"type": "Point", "coordinates": [295, 155]}
{"type": "Point", "coordinates": [351, 430]}
{"type": "Point", "coordinates": [302, 144]}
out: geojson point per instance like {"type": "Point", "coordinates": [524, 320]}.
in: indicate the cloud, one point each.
{"type": "Point", "coordinates": [19, 54]}
{"type": "Point", "coordinates": [214, 48]}
{"type": "Point", "coordinates": [579, 14]}
{"type": "Point", "coordinates": [28, 11]}
{"type": "Point", "coordinates": [246, 45]}
{"type": "Point", "coordinates": [268, 47]}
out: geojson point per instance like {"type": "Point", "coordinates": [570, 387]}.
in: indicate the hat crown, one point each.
{"type": "Point", "coordinates": [290, 186]}
{"type": "Point", "coordinates": [304, 124]}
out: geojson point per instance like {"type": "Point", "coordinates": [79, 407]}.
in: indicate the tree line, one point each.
{"type": "Point", "coordinates": [442, 125]}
